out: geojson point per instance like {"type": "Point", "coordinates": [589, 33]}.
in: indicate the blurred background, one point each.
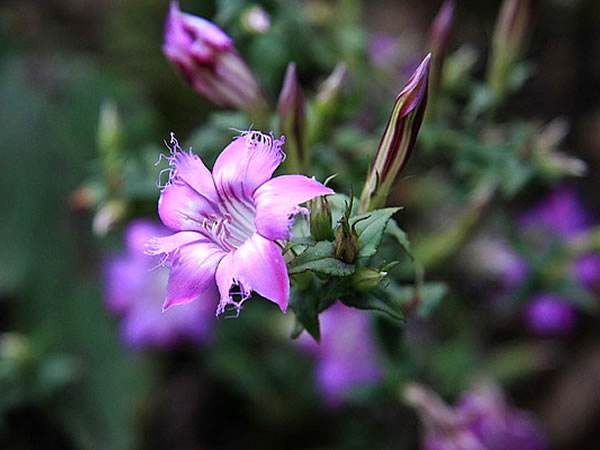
{"type": "Point", "coordinates": [80, 371]}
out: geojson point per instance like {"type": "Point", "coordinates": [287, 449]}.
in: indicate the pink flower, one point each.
{"type": "Point", "coordinates": [135, 287]}
{"type": "Point", "coordinates": [228, 223]}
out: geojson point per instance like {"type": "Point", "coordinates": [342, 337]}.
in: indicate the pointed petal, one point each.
{"type": "Point", "coordinates": [190, 169]}
{"type": "Point", "coordinates": [278, 199]}
{"type": "Point", "coordinates": [168, 244]}
{"type": "Point", "coordinates": [193, 269]}
{"type": "Point", "coordinates": [181, 208]}
{"type": "Point", "coordinates": [256, 266]}
{"type": "Point", "coordinates": [245, 164]}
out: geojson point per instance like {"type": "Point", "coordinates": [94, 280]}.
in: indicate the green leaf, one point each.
{"type": "Point", "coordinates": [320, 258]}
{"type": "Point", "coordinates": [370, 228]}
{"type": "Point", "coordinates": [400, 235]}
{"type": "Point", "coordinates": [306, 308]}
{"type": "Point", "coordinates": [378, 300]}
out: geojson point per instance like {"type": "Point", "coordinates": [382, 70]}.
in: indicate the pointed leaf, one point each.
{"type": "Point", "coordinates": [370, 228]}
{"type": "Point", "coordinates": [320, 258]}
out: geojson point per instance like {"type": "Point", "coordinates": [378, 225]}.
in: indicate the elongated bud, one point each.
{"type": "Point", "coordinates": [346, 242]}
{"type": "Point", "coordinates": [208, 60]}
{"type": "Point", "coordinates": [320, 220]}
{"type": "Point", "coordinates": [365, 278]}
{"type": "Point", "coordinates": [292, 122]}
{"type": "Point", "coordinates": [398, 139]}
{"type": "Point", "coordinates": [326, 103]}
{"type": "Point", "coordinates": [513, 27]}
{"type": "Point", "coordinates": [439, 42]}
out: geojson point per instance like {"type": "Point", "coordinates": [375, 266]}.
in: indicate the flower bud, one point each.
{"type": "Point", "coordinates": [292, 121]}
{"type": "Point", "coordinates": [398, 139]}
{"type": "Point", "coordinates": [365, 278]}
{"type": "Point", "coordinates": [346, 242]}
{"type": "Point", "coordinates": [326, 103]}
{"type": "Point", "coordinates": [513, 27]}
{"type": "Point", "coordinates": [206, 57]}
{"type": "Point", "coordinates": [320, 220]}
{"type": "Point", "coordinates": [439, 41]}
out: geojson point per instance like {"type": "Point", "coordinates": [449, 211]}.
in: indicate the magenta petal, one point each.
{"type": "Point", "coordinates": [256, 266]}
{"type": "Point", "coordinates": [245, 164]}
{"type": "Point", "coordinates": [190, 169]}
{"type": "Point", "coordinates": [277, 200]}
{"type": "Point", "coordinates": [193, 269]}
{"type": "Point", "coordinates": [168, 244]}
{"type": "Point", "coordinates": [181, 208]}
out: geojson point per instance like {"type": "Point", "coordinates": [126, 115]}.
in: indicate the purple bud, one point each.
{"type": "Point", "coordinates": [206, 57]}
{"type": "Point", "coordinates": [292, 120]}
{"type": "Point", "coordinates": [550, 315]}
{"type": "Point", "coordinates": [398, 140]}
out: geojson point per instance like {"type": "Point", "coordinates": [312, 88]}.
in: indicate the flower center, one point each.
{"type": "Point", "coordinates": [231, 229]}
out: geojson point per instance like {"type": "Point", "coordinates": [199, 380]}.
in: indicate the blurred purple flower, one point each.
{"type": "Point", "coordinates": [558, 217]}
{"type": "Point", "coordinates": [207, 58]}
{"type": "Point", "coordinates": [228, 223]}
{"type": "Point", "coordinates": [383, 50]}
{"type": "Point", "coordinates": [560, 214]}
{"type": "Point", "coordinates": [135, 288]}
{"type": "Point", "coordinates": [482, 420]}
{"type": "Point", "coordinates": [346, 356]}
{"type": "Point", "coordinates": [587, 271]}
{"type": "Point", "coordinates": [550, 315]}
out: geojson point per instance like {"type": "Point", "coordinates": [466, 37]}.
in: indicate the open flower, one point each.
{"type": "Point", "coordinates": [228, 223]}
{"type": "Point", "coordinates": [134, 289]}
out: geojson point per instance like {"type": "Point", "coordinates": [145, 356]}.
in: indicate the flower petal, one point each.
{"type": "Point", "coordinates": [168, 244]}
{"type": "Point", "coordinates": [193, 269]}
{"type": "Point", "coordinates": [256, 266]}
{"type": "Point", "coordinates": [278, 199]}
{"type": "Point", "coordinates": [181, 208]}
{"type": "Point", "coordinates": [245, 164]}
{"type": "Point", "coordinates": [190, 169]}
